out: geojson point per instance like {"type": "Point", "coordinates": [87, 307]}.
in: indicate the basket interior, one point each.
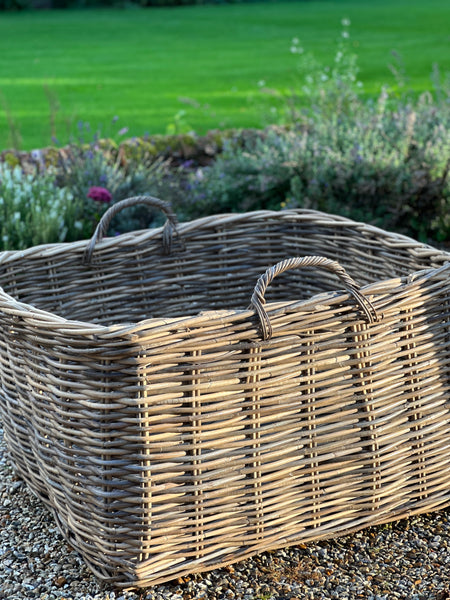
{"type": "Point", "coordinates": [216, 267]}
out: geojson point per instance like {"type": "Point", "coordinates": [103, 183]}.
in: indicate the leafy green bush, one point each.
{"type": "Point", "coordinates": [34, 211]}
{"type": "Point", "coordinates": [387, 168]}
{"type": "Point", "coordinates": [251, 173]}
{"type": "Point", "coordinates": [383, 161]}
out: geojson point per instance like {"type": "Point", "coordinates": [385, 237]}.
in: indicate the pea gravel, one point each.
{"type": "Point", "coordinates": [409, 559]}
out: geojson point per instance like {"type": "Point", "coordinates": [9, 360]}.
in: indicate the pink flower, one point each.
{"type": "Point", "coordinates": [99, 194]}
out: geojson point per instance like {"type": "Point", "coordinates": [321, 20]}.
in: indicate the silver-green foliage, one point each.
{"type": "Point", "coordinates": [383, 160]}
{"type": "Point", "coordinates": [34, 211]}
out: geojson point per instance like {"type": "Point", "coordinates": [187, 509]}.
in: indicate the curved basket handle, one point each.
{"type": "Point", "coordinates": [258, 301]}
{"type": "Point", "coordinates": [103, 224]}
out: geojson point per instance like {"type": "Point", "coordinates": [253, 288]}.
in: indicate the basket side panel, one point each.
{"type": "Point", "coordinates": [15, 407]}
{"type": "Point", "coordinates": [330, 426]}
{"type": "Point", "coordinates": [249, 445]}
{"type": "Point", "coordinates": [73, 432]}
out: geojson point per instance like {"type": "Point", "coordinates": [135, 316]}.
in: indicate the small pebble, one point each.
{"type": "Point", "coordinates": [406, 560]}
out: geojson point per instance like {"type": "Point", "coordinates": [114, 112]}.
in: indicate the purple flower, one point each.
{"type": "Point", "coordinates": [99, 194]}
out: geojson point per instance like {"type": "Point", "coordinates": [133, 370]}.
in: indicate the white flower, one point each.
{"type": "Point", "coordinates": [346, 22]}
{"type": "Point", "coordinates": [261, 83]}
{"type": "Point", "coordinates": [16, 216]}
{"type": "Point", "coordinates": [345, 34]}
{"type": "Point", "coordinates": [338, 56]}
{"type": "Point", "coordinates": [295, 41]}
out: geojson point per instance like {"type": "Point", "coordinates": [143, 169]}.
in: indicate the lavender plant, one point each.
{"type": "Point", "coordinates": [383, 160]}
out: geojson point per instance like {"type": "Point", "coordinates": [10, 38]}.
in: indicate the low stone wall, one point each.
{"type": "Point", "coordinates": [196, 149]}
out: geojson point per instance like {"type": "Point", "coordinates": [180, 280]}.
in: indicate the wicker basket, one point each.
{"type": "Point", "coordinates": [171, 428]}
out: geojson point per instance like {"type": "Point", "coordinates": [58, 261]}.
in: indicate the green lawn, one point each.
{"type": "Point", "coordinates": [58, 68]}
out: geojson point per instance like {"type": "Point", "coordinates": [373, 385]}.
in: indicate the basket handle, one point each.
{"type": "Point", "coordinates": [103, 224]}
{"type": "Point", "coordinates": [258, 301]}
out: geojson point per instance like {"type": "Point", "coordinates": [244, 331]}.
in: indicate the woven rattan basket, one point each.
{"type": "Point", "coordinates": [175, 422]}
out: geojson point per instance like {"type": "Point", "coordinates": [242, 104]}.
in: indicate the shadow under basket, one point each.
{"type": "Point", "coordinates": [185, 397]}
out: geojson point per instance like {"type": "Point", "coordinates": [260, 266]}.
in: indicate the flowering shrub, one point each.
{"type": "Point", "coordinates": [389, 168]}
{"type": "Point", "coordinates": [97, 180]}
{"type": "Point", "coordinates": [384, 161]}
{"type": "Point", "coordinates": [34, 211]}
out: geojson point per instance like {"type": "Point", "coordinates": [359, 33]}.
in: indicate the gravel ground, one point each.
{"type": "Point", "coordinates": [409, 560]}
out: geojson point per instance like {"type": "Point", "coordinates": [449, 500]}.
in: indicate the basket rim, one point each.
{"type": "Point", "coordinates": [11, 305]}
{"type": "Point", "coordinates": [142, 235]}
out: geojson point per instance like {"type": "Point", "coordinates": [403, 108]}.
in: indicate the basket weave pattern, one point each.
{"type": "Point", "coordinates": [180, 411]}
